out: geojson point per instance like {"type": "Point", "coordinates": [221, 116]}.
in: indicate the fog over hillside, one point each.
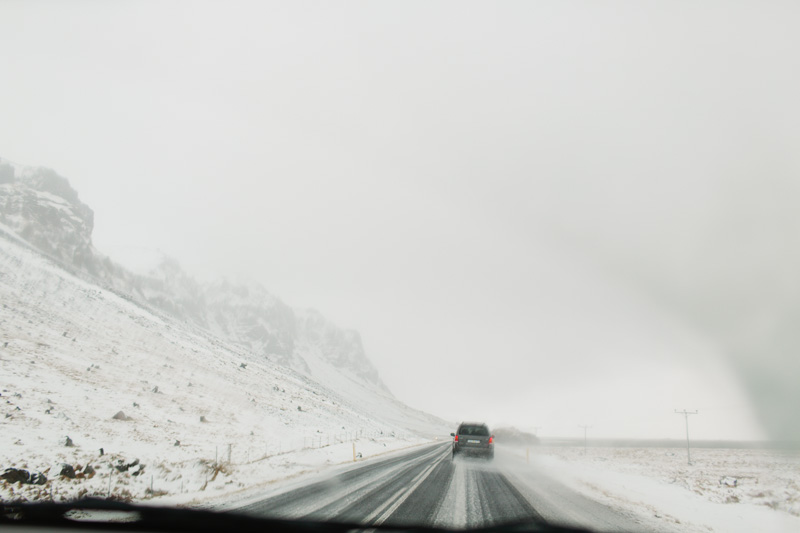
{"type": "Point", "coordinates": [42, 208]}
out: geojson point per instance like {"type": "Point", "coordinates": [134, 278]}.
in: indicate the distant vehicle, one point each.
{"type": "Point", "coordinates": [473, 438]}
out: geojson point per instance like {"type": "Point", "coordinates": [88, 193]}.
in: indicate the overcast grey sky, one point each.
{"type": "Point", "coordinates": [538, 213]}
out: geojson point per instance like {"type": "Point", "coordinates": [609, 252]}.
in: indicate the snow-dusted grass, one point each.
{"type": "Point", "coordinates": [722, 490]}
{"type": "Point", "coordinates": [199, 481]}
{"type": "Point", "coordinates": [72, 355]}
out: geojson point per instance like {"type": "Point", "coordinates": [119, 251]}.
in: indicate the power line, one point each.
{"type": "Point", "coordinates": [584, 436]}
{"type": "Point", "coordinates": [686, 414]}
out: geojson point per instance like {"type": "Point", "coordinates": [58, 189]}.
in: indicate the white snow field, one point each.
{"type": "Point", "coordinates": [722, 490]}
{"type": "Point", "coordinates": [204, 418]}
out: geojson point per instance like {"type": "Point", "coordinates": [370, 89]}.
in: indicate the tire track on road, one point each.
{"type": "Point", "coordinates": [337, 496]}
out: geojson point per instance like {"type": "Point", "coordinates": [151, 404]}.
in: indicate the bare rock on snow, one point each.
{"type": "Point", "coordinates": [134, 467]}
{"type": "Point", "coordinates": [18, 475]}
{"type": "Point", "coordinates": [121, 416]}
{"type": "Point", "coordinates": [15, 475]}
{"type": "Point", "coordinates": [37, 478]}
{"type": "Point", "coordinates": [62, 469]}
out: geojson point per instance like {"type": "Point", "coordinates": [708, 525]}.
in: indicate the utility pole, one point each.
{"type": "Point", "coordinates": [584, 437]}
{"type": "Point", "coordinates": [686, 414]}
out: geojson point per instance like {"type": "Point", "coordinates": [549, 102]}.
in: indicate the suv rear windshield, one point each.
{"type": "Point", "coordinates": [478, 431]}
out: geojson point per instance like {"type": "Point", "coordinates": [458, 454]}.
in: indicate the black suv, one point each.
{"type": "Point", "coordinates": [474, 439]}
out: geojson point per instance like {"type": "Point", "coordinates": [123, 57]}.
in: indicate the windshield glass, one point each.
{"type": "Point", "coordinates": [269, 257]}
{"type": "Point", "coordinates": [482, 431]}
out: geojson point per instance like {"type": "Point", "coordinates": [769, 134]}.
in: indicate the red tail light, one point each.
{"type": "Point", "coordinates": [491, 439]}
{"type": "Point", "coordinates": [455, 439]}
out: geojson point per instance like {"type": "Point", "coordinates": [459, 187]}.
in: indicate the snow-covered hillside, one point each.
{"type": "Point", "coordinates": [73, 355]}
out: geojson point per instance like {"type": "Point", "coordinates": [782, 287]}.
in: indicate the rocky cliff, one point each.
{"type": "Point", "coordinates": [42, 208]}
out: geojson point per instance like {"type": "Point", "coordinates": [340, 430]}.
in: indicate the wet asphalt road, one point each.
{"type": "Point", "coordinates": [427, 487]}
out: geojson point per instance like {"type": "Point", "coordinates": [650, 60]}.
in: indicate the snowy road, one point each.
{"type": "Point", "coordinates": [426, 487]}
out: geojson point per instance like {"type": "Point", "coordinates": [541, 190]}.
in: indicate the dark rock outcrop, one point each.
{"type": "Point", "coordinates": [18, 475]}
{"type": "Point", "coordinates": [134, 466]}
{"type": "Point", "coordinates": [37, 478]}
{"type": "Point", "coordinates": [15, 475]}
{"type": "Point", "coordinates": [62, 469]}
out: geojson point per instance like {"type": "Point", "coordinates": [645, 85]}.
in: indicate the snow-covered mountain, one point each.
{"type": "Point", "coordinates": [42, 208]}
